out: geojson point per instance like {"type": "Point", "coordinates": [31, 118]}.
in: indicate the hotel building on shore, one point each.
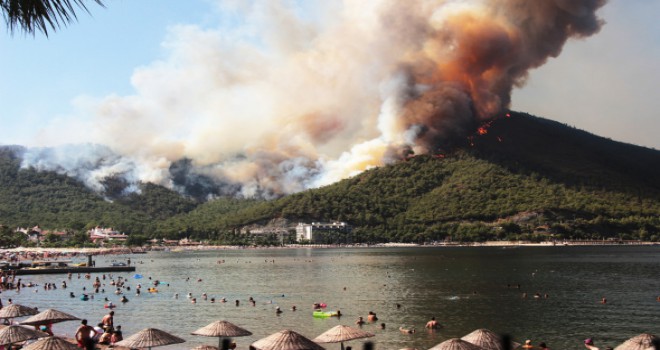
{"type": "Point", "coordinates": [305, 232]}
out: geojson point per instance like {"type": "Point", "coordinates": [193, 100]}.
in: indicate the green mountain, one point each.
{"type": "Point", "coordinates": [517, 177]}
{"type": "Point", "coordinates": [53, 201]}
{"type": "Point", "coordinates": [521, 177]}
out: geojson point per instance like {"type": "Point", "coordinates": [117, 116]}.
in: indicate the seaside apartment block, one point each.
{"type": "Point", "coordinates": [306, 232]}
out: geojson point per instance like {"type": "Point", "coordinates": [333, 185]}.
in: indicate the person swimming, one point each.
{"type": "Point", "coordinates": [407, 330]}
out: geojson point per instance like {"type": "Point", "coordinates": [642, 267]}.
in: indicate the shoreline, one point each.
{"type": "Point", "coordinates": [68, 252]}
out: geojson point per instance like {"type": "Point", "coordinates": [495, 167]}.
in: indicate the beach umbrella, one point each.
{"type": "Point", "coordinates": [643, 341]}
{"type": "Point", "coordinates": [340, 334]}
{"type": "Point", "coordinates": [51, 343]}
{"type": "Point", "coordinates": [14, 334]}
{"type": "Point", "coordinates": [15, 310]}
{"type": "Point", "coordinates": [49, 316]}
{"type": "Point", "coordinates": [222, 329]}
{"type": "Point", "coordinates": [205, 347]}
{"type": "Point", "coordinates": [487, 340]}
{"type": "Point", "coordinates": [286, 340]}
{"type": "Point", "coordinates": [456, 344]}
{"type": "Point", "coordinates": [148, 338]}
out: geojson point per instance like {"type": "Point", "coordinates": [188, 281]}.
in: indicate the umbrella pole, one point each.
{"type": "Point", "coordinates": [342, 345]}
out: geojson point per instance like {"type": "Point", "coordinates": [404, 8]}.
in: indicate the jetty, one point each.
{"type": "Point", "coordinates": [70, 269]}
{"type": "Point", "coordinates": [63, 267]}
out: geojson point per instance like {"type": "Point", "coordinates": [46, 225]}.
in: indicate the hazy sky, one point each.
{"type": "Point", "coordinates": [607, 84]}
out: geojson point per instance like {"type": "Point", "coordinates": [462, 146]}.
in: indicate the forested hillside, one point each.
{"type": "Point", "coordinates": [522, 175]}
{"type": "Point", "coordinates": [53, 201]}
{"type": "Point", "coordinates": [517, 177]}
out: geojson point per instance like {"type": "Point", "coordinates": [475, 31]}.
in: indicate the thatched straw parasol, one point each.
{"type": "Point", "coordinates": [340, 334]}
{"type": "Point", "coordinates": [222, 329]}
{"type": "Point", "coordinates": [455, 344]}
{"type": "Point", "coordinates": [15, 310]}
{"type": "Point", "coordinates": [643, 341]}
{"type": "Point", "coordinates": [148, 338]}
{"type": "Point", "coordinates": [205, 347]}
{"type": "Point", "coordinates": [487, 340]}
{"type": "Point", "coordinates": [286, 340]}
{"type": "Point", "coordinates": [49, 316]}
{"type": "Point", "coordinates": [51, 343]}
{"type": "Point", "coordinates": [14, 334]}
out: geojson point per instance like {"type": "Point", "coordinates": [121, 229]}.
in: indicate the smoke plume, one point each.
{"type": "Point", "coordinates": [292, 98]}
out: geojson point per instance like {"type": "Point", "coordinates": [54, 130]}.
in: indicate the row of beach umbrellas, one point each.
{"type": "Point", "coordinates": [481, 339]}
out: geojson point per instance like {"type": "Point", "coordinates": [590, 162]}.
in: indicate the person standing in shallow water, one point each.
{"type": "Point", "coordinates": [432, 324]}
{"type": "Point", "coordinates": [109, 321]}
{"type": "Point", "coordinates": [371, 317]}
{"type": "Point", "coordinates": [84, 336]}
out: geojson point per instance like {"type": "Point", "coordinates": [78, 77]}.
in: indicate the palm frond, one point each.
{"type": "Point", "coordinates": [41, 15]}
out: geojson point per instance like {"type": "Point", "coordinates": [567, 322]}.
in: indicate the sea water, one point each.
{"type": "Point", "coordinates": [465, 288]}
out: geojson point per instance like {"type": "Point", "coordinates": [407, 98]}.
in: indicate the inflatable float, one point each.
{"type": "Point", "coordinates": [324, 314]}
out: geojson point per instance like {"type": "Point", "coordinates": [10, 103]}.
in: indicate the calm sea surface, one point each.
{"type": "Point", "coordinates": [464, 288]}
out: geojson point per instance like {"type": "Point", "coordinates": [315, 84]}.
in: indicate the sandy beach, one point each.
{"type": "Point", "coordinates": [68, 252]}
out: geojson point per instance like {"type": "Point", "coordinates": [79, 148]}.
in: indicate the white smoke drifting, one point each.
{"type": "Point", "coordinates": [282, 103]}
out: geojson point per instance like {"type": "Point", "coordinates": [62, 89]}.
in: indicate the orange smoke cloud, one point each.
{"type": "Point", "coordinates": [474, 57]}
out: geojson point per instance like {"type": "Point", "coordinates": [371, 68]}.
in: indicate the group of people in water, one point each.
{"type": "Point", "coordinates": [432, 324]}
{"type": "Point", "coordinates": [108, 335]}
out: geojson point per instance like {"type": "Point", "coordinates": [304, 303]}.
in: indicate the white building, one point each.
{"type": "Point", "coordinates": [306, 231]}
{"type": "Point", "coordinates": [105, 234]}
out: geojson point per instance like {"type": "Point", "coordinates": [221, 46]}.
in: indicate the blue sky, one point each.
{"type": "Point", "coordinates": [39, 75]}
{"type": "Point", "coordinates": [607, 84]}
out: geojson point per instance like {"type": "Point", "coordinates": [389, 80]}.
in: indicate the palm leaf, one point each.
{"type": "Point", "coordinates": [41, 15]}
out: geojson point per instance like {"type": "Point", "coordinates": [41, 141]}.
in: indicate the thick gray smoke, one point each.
{"type": "Point", "coordinates": [281, 103]}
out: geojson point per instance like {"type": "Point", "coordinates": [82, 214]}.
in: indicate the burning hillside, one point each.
{"type": "Point", "coordinates": [306, 103]}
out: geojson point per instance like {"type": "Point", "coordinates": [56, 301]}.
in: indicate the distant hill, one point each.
{"type": "Point", "coordinates": [53, 201]}
{"type": "Point", "coordinates": [525, 177]}
{"type": "Point", "coordinates": [517, 177]}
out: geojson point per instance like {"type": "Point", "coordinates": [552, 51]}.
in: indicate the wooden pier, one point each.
{"type": "Point", "coordinates": [69, 269]}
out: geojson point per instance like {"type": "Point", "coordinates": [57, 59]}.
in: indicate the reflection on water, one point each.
{"type": "Point", "coordinates": [464, 288]}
